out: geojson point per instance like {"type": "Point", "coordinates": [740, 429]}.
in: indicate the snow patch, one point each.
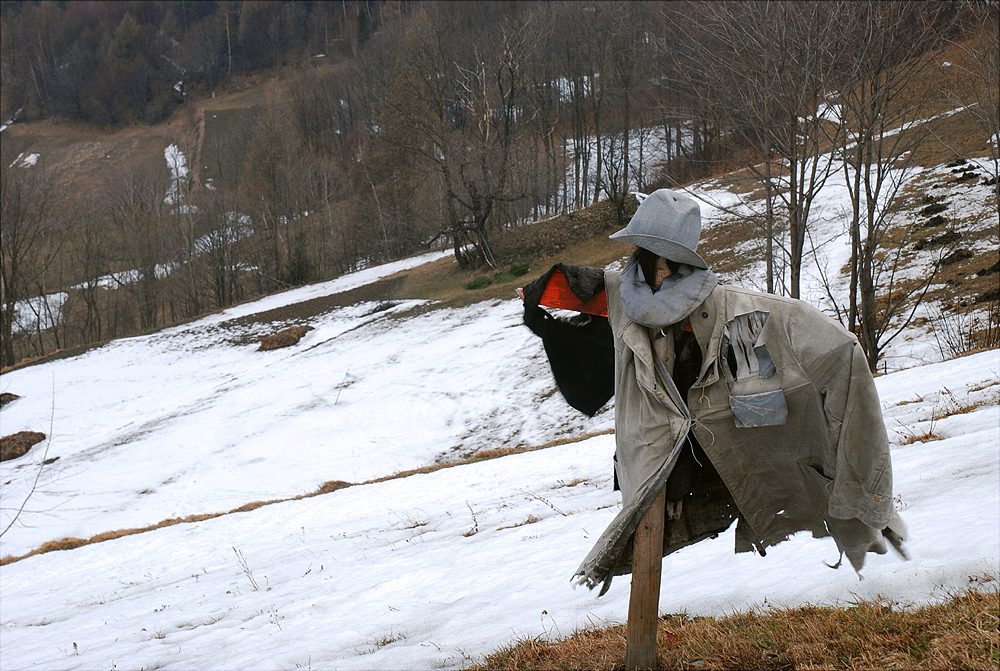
{"type": "Point", "coordinates": [177, 165]}
{"type": "Point", "coordinates": [38, 314]}
{"type": "Point", "coordinates": [25, 160]}
{"type": "Point", "coordinates": [7, 123]}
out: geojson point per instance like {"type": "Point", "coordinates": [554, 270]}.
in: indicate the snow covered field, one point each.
{"type": "Point", "coordinates": [426, 571]}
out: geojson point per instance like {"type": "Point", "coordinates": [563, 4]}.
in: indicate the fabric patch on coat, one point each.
{"type": "Point", "coordinates": [764, 409]}
{"type": "Point", "coordinates": [754, 389]}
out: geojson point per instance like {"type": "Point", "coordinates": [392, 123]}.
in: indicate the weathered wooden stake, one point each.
{"type": "Point", "coordinates": [644, 599]}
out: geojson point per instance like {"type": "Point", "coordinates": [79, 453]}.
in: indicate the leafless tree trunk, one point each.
{"type": "Point", "coordinates": [185, 215]}
{"type": "Point", "coordinates": [621, 81]}
{"type": "Point", "coordinates": [463, 114]}
{"type": "Point", "coordinates": [91, 256]}
{"type": "Point", "coordinates": [26, 249]}
{"type": "Point", "coordinates": [227, 228]}
{"type": "Point", "coordinates": [765, 67]}
{"type": "Point", "coordinates": [271, 191]}
{"type": "Point", "coordinates": [879, 108]}
{"type": "Point", "coordinates": [136, 207]}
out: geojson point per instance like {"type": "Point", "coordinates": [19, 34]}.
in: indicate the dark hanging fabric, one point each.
{"type": "Point", "coordinates": [580, 349]}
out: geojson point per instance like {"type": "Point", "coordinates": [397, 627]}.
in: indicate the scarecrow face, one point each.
{"type": "Point", "coordinates": [662, 272]}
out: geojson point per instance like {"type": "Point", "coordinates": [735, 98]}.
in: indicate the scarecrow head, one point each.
{"type": "Point", "coordinates": [668, 224]}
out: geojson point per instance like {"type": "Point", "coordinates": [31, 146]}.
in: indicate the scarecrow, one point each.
{"type": "Point", "coordinates": [733, 405]}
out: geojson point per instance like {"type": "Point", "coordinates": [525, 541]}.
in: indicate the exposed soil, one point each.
{"type": "Point", "coordinates": [17, 444]}
{"type": "Point", "coordinates": [936, 208]}
{"type": "Point", "coordinates": [284, 338]}
{"type": "Point", "coordinates": [380, 291]}
{"type": "Point", "coordinates": [53, 356]}
{"type": "Point", "coordinates": [939, 241]}
{"type": "Point", "coordinates": [553, 236]}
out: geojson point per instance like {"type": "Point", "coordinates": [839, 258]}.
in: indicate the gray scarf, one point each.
{"type": "Point", "coordinates": [676, 298]}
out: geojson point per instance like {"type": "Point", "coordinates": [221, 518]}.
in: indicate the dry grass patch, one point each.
{"type": "Point", "coordinates": [984, 385]}
{"type": "Point", "coordinates": [484, 455]}
{"type": "Point", "coordinates": [331, 486]}
{"type": "Point", "coordinates": [578, 238]}
{"type": "Point", "coordinates": [591, 649]}
{"type": "Point", "coordinates": [950, 404]}
{"type": "Point", "coordinates": [925, 437]}
{"type": "Point", "coordinates": [571, 483]}
{"type": "Point", "coordinates": [17, 444]}
{"type": "Point", "coordinates": [530, 519]}
{"type": "Point", "coordinates": [958, 634]}
{"type": "Point", "coordinates": [283, 338]}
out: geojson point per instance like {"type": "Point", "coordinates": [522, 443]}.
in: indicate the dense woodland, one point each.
{"type": "Point", "coordinates": [383, 128]}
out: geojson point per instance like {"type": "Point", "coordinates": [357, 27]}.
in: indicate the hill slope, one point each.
{"type": "Point", "coordinates": [436, 570]}
{"type": "Point", "coordinates": [430, 569]}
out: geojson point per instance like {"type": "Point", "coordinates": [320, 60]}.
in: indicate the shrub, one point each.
{"type": "Point", "coordinates": [500, 278]}
{"type": "Point", "coordinates": [520, 268]}
{"type": "Point", "coordinates": [285, 338]}
{"type": "Point", "coordinates": [479, 283]}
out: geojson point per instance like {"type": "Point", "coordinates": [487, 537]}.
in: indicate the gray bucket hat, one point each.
{"type": "Point", "coordinates": [668, 224]}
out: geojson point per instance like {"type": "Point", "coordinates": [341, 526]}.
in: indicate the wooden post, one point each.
{"type": "Point", "coordinates": [644, 599]}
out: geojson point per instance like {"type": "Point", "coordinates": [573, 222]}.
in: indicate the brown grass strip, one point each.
{"type": "Point", "coordinates": [326, 488]}
{"type": "Point", "coordinates": [485, 455]}
{"type": "Point", "coordinates": [870, 635]}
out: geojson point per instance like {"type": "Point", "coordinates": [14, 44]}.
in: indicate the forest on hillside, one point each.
{"type": "Point", "coordinates": [383, 127]}
{"type": "Point", "coordinates": [110, 63]}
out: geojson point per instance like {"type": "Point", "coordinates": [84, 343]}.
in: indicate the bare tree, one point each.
{"type": "Point", "coordinates": [621, 86]}
{"type": "Point", "coordinates": [767, 71]}
{"type": "Point", "coordinates": [577, 42]}
{"type": "Point", "coordinates": [271, 190]}
{"type": "Point", "coordinates": [183, 217]}
{"type": "Point", "coordinates": [879, 109]}
{"type": "Point", "coordinates": [221, 248]}
{"type": "Point", "coordinates": [26, 246]}
{"type": "Point", "coordinates": [544, 98]}
{"type": "Point", "coordinates": [462, 113]}
{"type": "Point", "coordinates": [91, 259]}
{"type": "Point", "coordinates": [136, 207]}
{"type": "Point", "coordinates": [203, 50]}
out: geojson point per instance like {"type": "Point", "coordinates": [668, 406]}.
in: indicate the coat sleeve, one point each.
{"type": "Point", "coordinates": [863, 482]}
{"type": "Point", "coordinates": [581, 349]}
{"type": "Point", "coordinates": [862, 474]}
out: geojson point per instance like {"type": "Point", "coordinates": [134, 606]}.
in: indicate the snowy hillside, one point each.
{"type": "Point", "coordinates": [187, 421]}
{"type": "Point", "coordinates": [827, 251]}
{"type": "Point", "coordinates": [435, 570]}
{"type": "Point", "coordinates": [425, 571]}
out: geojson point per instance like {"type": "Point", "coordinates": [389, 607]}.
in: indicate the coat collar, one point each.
{"type": "Point", "coordinates": [707, 322]}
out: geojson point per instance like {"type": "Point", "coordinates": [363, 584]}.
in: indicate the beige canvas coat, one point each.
{"type": "Point", "coordinates": [797, 445]}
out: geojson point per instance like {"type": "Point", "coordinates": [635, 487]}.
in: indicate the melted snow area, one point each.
{"type": "Point", "coordinates": [827, 253]}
